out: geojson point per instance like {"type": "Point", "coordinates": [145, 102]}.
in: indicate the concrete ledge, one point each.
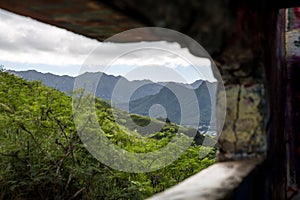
{"type": "Point", "coordinates": [218, 181]}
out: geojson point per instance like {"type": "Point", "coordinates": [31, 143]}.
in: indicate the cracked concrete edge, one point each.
{"type": "Point", "coordinates": [215, 182]}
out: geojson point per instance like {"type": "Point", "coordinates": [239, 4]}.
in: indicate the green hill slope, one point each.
{"type": "Point", "coordinates": [42, 157]}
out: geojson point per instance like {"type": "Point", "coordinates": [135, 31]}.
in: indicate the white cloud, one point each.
{"type": "Point", "coordinates": [24, 40]}
{"type": "Point", "coordinates": [136, 60]}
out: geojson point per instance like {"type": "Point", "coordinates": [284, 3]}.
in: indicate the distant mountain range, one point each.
{"type": "Point", "coordinates": [105, 87]}
{"type": "Point", "coordinates": [144, 94]}
{"type": "Point", "coordinates": [178, 101]}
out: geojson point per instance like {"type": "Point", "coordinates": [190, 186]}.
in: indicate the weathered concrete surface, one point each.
{"type": "Point", "coordinates": [215, 182]}
{"type": "Point", "coordinates": [243, 134]}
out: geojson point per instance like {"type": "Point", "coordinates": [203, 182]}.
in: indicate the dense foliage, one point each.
{"type": "Point", "coordinates": [42, 157]}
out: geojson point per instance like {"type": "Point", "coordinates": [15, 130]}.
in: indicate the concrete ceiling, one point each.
{"type": "Point", "coordinates": [86, 17]}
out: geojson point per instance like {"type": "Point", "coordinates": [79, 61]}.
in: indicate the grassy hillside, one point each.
{"type": "Point", "coordinates": [42, 157]}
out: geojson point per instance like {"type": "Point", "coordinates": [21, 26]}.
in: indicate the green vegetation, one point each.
{"type": "Point", "coordinates": [42, 157]}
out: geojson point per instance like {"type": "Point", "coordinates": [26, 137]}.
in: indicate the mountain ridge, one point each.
{"type": "Point", "coordinates": [105, 87]}
{"type": "Point", "coordinates": [139, 94]}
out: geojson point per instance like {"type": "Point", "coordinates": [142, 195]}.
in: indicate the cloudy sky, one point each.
{"type": "Point", "coordinates": [28, 44]}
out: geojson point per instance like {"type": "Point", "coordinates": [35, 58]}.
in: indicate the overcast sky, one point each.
{"type": "Point", "coordinates": [28, 44]}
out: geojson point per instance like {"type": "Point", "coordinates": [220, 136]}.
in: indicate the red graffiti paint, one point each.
{"type": "Point", "coordinates": [296, 12]}
{"type": "Point", "coordinates": [296, 18]}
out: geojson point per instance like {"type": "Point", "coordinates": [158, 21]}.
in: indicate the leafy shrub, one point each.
{"type": "Point", "coordinates": [42, 156]}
